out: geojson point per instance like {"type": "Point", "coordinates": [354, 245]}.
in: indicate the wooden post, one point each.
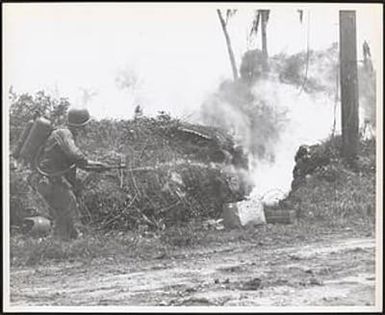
{"type": "Point", "coordinates": [349, 84]}
{"type": "Point", "coordinates": [228, 43]}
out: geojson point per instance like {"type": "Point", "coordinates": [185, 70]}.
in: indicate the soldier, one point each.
{"type": "Point", "coordinates": [58, 161]}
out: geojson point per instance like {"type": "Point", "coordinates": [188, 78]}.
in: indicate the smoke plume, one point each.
{"type": "Point", "coordinates": [270, 116]}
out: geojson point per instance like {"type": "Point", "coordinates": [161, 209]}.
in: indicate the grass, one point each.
{"type": "Point", "coordinates": [27, 251]}
{"type": "Point", "coordinates": [32, 251]}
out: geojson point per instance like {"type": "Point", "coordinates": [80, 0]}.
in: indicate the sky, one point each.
{"type": "Point", "coordinates": [175, 55]}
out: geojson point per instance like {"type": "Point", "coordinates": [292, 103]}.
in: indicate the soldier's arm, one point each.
{"type": "Point", "coordinates": [75, 155]}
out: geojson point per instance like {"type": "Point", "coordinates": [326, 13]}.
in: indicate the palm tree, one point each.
{"type": "Point", "coordinates": [224, 22]}
{"type": "Point", "coordinates": [261, 17]}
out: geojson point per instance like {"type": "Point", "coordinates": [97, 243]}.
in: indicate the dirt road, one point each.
{"type": "Point", "coordinates": [337, 270]}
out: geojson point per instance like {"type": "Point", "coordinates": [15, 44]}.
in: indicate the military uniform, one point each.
{"type": "Point", "coordinates": [59, 159]}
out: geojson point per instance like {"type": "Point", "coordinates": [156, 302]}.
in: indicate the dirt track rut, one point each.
{"type": "Point", "coordinates": [338, 271]}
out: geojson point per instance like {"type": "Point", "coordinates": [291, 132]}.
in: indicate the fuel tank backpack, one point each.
{"type": "Point", "coordinates": [32, 139]}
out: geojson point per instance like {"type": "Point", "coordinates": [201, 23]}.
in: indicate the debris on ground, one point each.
{"type": "Point", "coordinates": [275, 215]}
{"type": "Point", "coordinates": [253, 284]}
{"type": "Point", "coordinates": [213, 224]}
{"type": "Point", "coordinates": [36, 226]}
{"type": "Point", "coordinates": [245, 213]}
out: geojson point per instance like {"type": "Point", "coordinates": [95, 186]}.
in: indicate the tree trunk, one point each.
{"type": "Point", "coordinates": [349, 84]}
{"type": "Point", "coordinates": [228, 43]}
{"type": "Point", "coordinates": [264, 17]}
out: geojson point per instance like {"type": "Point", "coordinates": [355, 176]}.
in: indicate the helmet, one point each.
{"type": "Point", "coordinates": [78, 117]}
{"type": "Point", "coordinates": [38, 226]}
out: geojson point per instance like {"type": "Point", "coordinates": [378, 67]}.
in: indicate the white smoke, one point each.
{"type": "Point", "coordinates": [310, 119]}
{"type": "Point", "coordinates": [271, 127]}
{"type": "Point", "coordinates": [272, 117]}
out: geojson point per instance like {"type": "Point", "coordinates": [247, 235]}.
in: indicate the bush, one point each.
{"type": "Point", "coordinates": [25, 107]}
{"type": "Point", "coordinates": [334, 191]}
{"type": "Point", "coordinates": [178, 182]}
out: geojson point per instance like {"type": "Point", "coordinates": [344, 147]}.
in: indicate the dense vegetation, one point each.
{"type": "Point", "coordinates": [193, 170]}
{"type": "Point", "coordinates": [188, 171]}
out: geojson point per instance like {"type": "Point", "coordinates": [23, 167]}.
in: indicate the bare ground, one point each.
{"type": "Point", "coordinates": [336, 269]}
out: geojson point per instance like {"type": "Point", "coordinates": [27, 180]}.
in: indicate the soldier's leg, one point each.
{"type": "Point", "coordinates": [74, 215]}
{"type": "Point", "coordinates": [44, 188]}
{"type": "Point", "coordinates": [67, 216]}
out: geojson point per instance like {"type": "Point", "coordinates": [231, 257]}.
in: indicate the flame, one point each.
{"type": "Point", "coordinates": [283, 120]}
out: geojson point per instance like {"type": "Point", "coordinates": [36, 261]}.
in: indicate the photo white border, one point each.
{"type": "Point", "coordinates": [7, 307]}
